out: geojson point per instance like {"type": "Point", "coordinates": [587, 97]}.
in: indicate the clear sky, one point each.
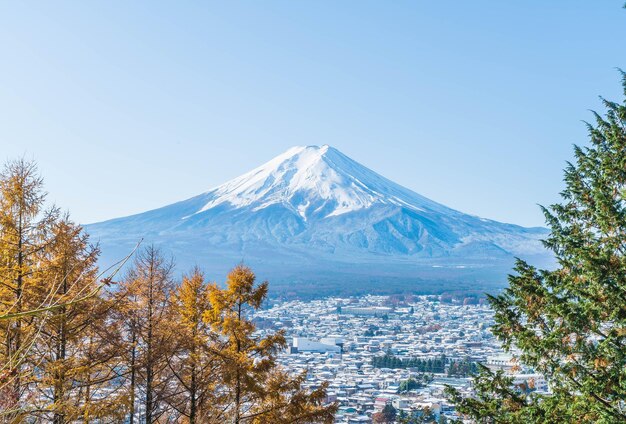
{"type": "Point", "coordinates": [128, 106]}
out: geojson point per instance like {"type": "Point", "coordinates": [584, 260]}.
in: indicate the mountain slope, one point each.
{"type": "Point", "coordinates": [314, 210]}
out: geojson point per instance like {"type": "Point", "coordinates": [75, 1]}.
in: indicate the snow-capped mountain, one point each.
{"type": "Point", "coordinates": [314, 210]}
{"type": "Point", "coordinates": [316, 182]}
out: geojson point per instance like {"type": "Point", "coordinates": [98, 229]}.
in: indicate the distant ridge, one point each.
{"type": "Point", "coordinates": [313, 214]}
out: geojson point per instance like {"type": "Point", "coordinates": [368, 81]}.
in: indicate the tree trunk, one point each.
{"type": "Point", "coordinates": [59, 417]}
{"type": "Point", "coordinates": [149, 364]}
{"type": "Point", "coordinates": [18, 297]}
{"type": "Point", "coordinates": [133, 372]}
{"type": "Point", "coordinates": [193, 394]}
{"type": "Point", "coordinates": [238, 385]}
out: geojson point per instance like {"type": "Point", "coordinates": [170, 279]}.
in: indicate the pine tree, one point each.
{"type": "Point", "coordinates": [570, 323]}
{"type": "Point", "coordinates": [254, 387]}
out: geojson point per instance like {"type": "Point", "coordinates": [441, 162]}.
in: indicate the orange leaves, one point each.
{"type": "Point", "coordinates": [600, 363]}
{"type": "Point", "coordinates": [255, 389]}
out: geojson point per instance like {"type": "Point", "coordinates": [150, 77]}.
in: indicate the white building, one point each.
{"type": "Point", "coordinates": [371, 311]}
{"type": "Point", "coordinates": [302, 344]}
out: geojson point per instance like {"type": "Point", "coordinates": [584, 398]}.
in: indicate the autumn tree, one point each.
{"type": "Point", "coordinates": [570, 323]}
{"type": "Point", "coordinates": [24, 235]}
{"type": "Point", "coordinates": [101, 392]}
{"type": "Point", "coordinates": [144, 307]}
{"type": "Point", "coordinates": [254, 388]}
{"type": "Point", "coordinates": [50, 305]}
{"type": "Point", "coordinates": [73, 358]}
{"type": "Point", "coordinates": [386, 416]}
{"type": "Point", "coordinates": [70, 271]}
{"type": "Point", "coordinates": [195, 359]}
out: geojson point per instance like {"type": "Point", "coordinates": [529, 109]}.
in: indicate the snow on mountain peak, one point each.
{"type": "Point", "coordinates": [313, 181]}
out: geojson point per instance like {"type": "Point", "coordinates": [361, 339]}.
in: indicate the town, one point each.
{"type": "Point", "coordinates": [402, 351]}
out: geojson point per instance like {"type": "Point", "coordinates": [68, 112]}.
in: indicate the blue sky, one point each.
{"type": "Point", "coordinates": [128, 106]}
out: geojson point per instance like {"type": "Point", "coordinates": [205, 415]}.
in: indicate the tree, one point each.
{"type": "Point", "coordinates": [101, 391]}
{"type": "Point", "coordinates": [148, 330]}
{"type": "Point", "coordinates": [386, 416]}
{"type": "Point", "coordinates": [463, 368]}
{"type": "Point", "coordinates": [50, 305]}
{"type": "Point", "coordinates": [254, 388]}
{"type": "Point", "coordinates": [74, 359]}
{"type": "Point", "coordinates": [70, 269]}
{"type": "Point", "coordinates": [414, 383]}
{"type": "Point", "coordinates": [195, 360]}
{"type": "Point", "coordinates": [570, 323]}
{"type": "Point", "coordinates": [24, 235]}
{"type": "Point", "coordinates": [408, 385]}
{"type": "Point", "coordinates": [420, 416]}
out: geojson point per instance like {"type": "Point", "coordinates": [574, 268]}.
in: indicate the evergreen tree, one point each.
{"type": "Point", "coordinates": [407, 385]}
{"type": "Point", "coordinates": [570, 323]}
{"type": "Point", "coordinates": [420, 416]}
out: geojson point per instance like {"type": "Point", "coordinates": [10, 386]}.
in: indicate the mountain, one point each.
{"type": "Point", "coordinates": [314, 215]}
